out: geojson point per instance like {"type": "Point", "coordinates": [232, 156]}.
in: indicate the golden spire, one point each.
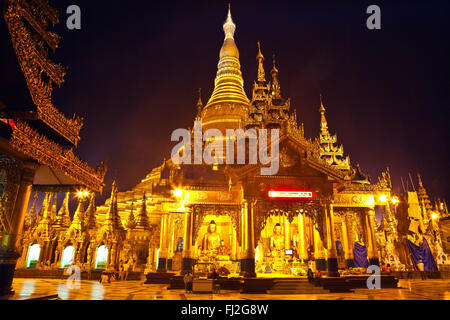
{"type": "Point", "coordinates": [142, 218]}
{"type": "Point", "coordinates": [63, 217]}
{"type": "Point", "coordinates": [276, 90]}
{"type": "Point", "coordinates": [323, 120]}
{"type": "Point", "coordinates": [228, 98]}
{"type": "Point", "coordinates": [31, 215]}
{"type": "Point", "coordinates": [260, 59]}
{"type": "Point", "coordinates": [199, 103]}
{"type": "Point", "coordinates": [90, 221]}
{"type": "Point", "coordinates": [229, 27]}
{"type": "Point", "coordinates": [131, 222]}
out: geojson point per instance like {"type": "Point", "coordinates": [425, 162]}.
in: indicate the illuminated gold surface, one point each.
{"type": "Point", "coordinates": [135, 290]}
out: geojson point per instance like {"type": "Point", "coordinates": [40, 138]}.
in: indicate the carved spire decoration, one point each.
{"type": "Point", "coordinates": [31, 217]}
{"type": "Point", "coordinates": [276, 89]}
{"type": "Point", "coordinates": [260, 59]}
{"type": "Point", "coordinates": [199, 104]}
{"type": "Point", "coordinates": [229, 27]}
{"type": "Point", "coordinates": [329, 152]}
{"type": "Point", "coordinates": [89, 221]}
{"type": "Point", "coordinates": [142, 218]}
{"type": "Point", "coordinates": [112, 217]}
{"type": "Point", "coordinates": [63, 218]}
{"type": "Point", "coordinates": [424, 200]}
{"type": "Point", "coordinates": [131, 222]}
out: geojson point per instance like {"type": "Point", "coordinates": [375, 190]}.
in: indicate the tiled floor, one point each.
{"type": "Point", "coordinates": [136, 290]}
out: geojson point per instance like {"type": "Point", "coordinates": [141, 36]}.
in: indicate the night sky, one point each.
{"type": "Point", "coordinates": [136, 66]}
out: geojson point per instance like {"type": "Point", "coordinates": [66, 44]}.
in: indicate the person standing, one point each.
{"type": "Point", "coordinates": [126, 269]}
{"type": "Point", "coordinates": [188, 282]}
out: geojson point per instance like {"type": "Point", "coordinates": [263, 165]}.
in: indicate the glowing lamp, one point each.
{"type": "Point", "coordinates": [382, 198]}
{"type": "Point", "coordinates": [178, 193]}
{"type": "Point", "coordinates": [394, 200]}
{"type": "Point", "coordinates": [434, 216]}
{"type": "Point", "coordinates": [277, 194]}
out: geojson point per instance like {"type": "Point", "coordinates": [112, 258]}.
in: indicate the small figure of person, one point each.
{"type": "Point", "coordinates": [310, 275]}
{"type": "Point", "coordinates": [126, 269]}
{"type": "Point", "coordinates": [121, 270]}
{"type": "Point", "coordinates": [214, 274]}
{"type": "Point", "coordinates": [388, 268]}
{"type": "Point", "coordinates": [188, 282]}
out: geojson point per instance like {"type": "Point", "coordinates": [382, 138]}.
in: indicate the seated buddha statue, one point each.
{"type": "Point", "coordinates": [277, 242]}
{"type": "Point", "coordinates": [222, 251]}
{"type": "Point", "coordinates": [211, 240]}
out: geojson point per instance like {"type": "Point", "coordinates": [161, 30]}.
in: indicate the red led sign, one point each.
{"type": "Point", "coordinates": [290, 194]}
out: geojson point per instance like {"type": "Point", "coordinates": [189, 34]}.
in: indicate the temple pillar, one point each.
{"type": "Point", "coordinates": [187, 260]}
{"type": "Point", "coordinates": [248, 257]}
{"type": "Point", "coordinates": [319, 254]}
{"type": "Point", "coordinates": [332, 261]}
{"type": "Point", "coordinates": [348, 248]}
{"type": "Point", "coordinates": [170, 238]}
{"type": "Point", "coordinates": [287, 244]}
{"type": "Point", "coordinates": [162, 260]}
{"type": "Point", "coordinates": [234, 244]}
{"type": "Point", "coordinates": [10, 241]}
{"type": "Point", "coordinates": [302, 254]}
{"type": "Point", "coordinates": [373, 258]}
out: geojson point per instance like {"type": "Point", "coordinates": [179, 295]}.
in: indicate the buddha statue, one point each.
{"type": "Point", "coordinates": [277, 241]}
{"type": "Point", "coordinates": [222, 250]}
{"type": "Point", "coordinates": [211, 240]}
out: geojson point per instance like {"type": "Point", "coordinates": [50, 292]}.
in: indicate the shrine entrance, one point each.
{"type": "Point", "coordinates": [101, 257]}
{"type": "Point", "coordinates": [33, 255]}
{"type": "Point", "coordinates": [67, 256]}
{"type": "Point", "coordinates": [216, 244]}
{"type": "Point", "coordinates": [284, 238]}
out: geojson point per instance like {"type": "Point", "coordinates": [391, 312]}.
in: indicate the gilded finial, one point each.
{"type": "Point", "coordinates": [420, 180]}
{"type": "Point", "coordinates": [323, 120]}
{"type": "Point", "coordinates": [260, 59]}
{"type": "Point", "coordinates": [274, 68]}
{"type": "Point", "coordinates": [229, 27]}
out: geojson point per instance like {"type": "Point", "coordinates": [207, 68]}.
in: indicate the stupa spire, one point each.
{"type": "Point", "coordinates": [229, 27]}
{"type": "Point", "coordinates": [63, 217]}
{"type": "Point", "coordinates": [260, 59]}
{"type": "Point", "coordinates": [199, 104]}
{"type": "Point", "coordinates": [131, 222]}
{"type": "Point", "coordinates": [142, 218]}
{"type": "Point", "coordinates": [323, 120]}
{"type": "Point", "coordinates": [228, 101]}
{"type": "Point", "coordinates": [276, 89]}
{"type": "Point", "coordinates": [90, 221]}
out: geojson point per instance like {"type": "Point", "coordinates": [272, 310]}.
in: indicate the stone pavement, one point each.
{"type": "Point", "coordinates": [411, 289]}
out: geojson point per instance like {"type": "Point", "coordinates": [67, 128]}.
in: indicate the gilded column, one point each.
{"type": "Point", "coordinates": [369, 244]}
{"type": "Point", "coordinates": [187, 260]}
{"type": "Point", "coordinates": [332, 262]}
{"type": "Point", "coordinates": [373, 259]}
{"type": "Point", "coordinates": [287, 244]}
{"type": "Point", "coordinates": [348, 249]}
{"type": "Point", "coordinates": [303, 255]}
{"type": "Point", "coordinates": [10, 241]}
{"type": "Point", "coordinates": [162, 261]}
{"type": "Point", "coordinates": [319, 254]}
{"type": "Point", "coordinates": [248, 258]}
{"type": "Point", "coordinates": [170, 238]}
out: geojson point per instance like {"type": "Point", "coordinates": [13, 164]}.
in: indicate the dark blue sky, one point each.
{"type": "Point", "coordinates": [135, 67]}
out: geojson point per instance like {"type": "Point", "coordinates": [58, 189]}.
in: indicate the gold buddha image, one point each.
{"type": "Point", "coordinates": [277, 242]}
{"type": "Point", "coordinates": [211, 240]}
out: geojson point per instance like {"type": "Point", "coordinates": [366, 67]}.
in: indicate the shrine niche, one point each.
{"type": "Point", "coordinates": [216, 241]}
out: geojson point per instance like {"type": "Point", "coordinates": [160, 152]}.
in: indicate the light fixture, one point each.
{"type": "Point", "coordinates": [434, 216]}
{"type": "Point", "coordinates": [394, 200]}
{"type": "Point", "coordinates": [178, 193]}
{"type": "Point", "coordinates": [382, 198]}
